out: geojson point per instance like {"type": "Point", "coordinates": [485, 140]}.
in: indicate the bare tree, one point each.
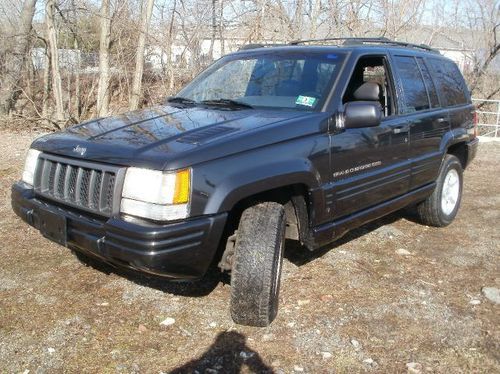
{"type": "Point", "coordinates": [46, 82]}
{"type": "Point", "coordinates": [87, 46]}
{"type": "Point", "coordinates": [139, 57]}
{"type": "Point", "coordinates": [488, 26]}
{"type": "Point", "coordinates": [15, 61]}
{"type": "Point", "coordinates": [169, 49]}
{"type": "Point", "coordinates": [104, 46]}
{"type": "Point", "coordinates": [314, 13]}
{"type": "Point", "coordinates": [400, 16]}
{"type": "Point", "coordinates": [54, 61]}
{"type": "Point", "coordinates": [259, 25]}
{"type": "Point", "coordinates": [221, 28]}
{"type": "Point", "coordinates": [214, 28]}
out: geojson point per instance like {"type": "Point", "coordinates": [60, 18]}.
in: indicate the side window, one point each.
{"type": "Point", "coordinates": [429, 83]}
{"type": "Point", "coordinates": [450, 83]}
{"type": "Point", "coordinates": [413, 85]}
{"type": "Point", "coordinates": [372, 69]}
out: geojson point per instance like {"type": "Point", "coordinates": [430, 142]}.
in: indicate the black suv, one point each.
{"type": "Point", "coordinates": [302, 141]}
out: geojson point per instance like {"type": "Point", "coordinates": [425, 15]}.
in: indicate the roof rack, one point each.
{"type": "Point", "coordinates": [361, 41]}
{"type": "Point", "coordinates": [257, 45]}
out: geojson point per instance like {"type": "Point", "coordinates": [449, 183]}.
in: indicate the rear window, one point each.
{"type": "Point", "coordinates": [413, 85]}
{"type": "Point", "coordinates": [450, 82]}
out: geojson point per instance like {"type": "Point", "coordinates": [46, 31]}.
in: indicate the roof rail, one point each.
{"type": "Point", "coordinates": [255, 45]}
{"type": "Point", "coordinates": [361, 41]}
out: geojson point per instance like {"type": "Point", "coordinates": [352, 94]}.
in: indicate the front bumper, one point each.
{"type": "Point", "coordinates": [182, 250]}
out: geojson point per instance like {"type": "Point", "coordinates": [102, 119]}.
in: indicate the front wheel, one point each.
{"type": "Point", "coordinates": [441, 208]}
{"type": "Point", "coordinates": [257, 262]}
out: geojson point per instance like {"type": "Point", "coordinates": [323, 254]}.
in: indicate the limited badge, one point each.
{"type": "Point", "coordinates": [305, 101]}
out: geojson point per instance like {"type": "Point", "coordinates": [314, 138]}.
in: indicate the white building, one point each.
{"type": "Point", "coordinates": [462, 57]}
{"type": "Point", "coordinates": [157, 56]}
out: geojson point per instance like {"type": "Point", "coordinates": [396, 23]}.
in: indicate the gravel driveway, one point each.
{"type": "Point", "coordinates": [392, 296]}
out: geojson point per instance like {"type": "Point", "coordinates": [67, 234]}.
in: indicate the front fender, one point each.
{"type": "Point", "coordinates": [246, 182]}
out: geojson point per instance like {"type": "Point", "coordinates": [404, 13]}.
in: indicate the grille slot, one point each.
{"type": "Point", "coordinates": [88, 186]}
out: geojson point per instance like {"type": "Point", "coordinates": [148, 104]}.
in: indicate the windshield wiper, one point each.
{"type": "Point", "coordinates": [227, 103]}
{"type": "Point", "coordinates": [181, 100]}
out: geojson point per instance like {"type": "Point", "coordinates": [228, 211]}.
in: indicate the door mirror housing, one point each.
{"type": "Point", "coordinates": [359, 114]}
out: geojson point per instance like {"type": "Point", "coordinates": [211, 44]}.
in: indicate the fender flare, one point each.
{"type": "Point", "coordinates": [452, 137]}
{"type": "Point", "coordinates": [247, 182]}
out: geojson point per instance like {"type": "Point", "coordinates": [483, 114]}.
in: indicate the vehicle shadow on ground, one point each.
{"type": "Point", "coordinates": [229, 353]}
{"type": "Point", "coordinates": [196, 288]}
{"type": "Point", "coordinates": [299, 255]}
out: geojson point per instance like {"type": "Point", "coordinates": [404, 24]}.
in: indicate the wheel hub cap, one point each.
{"type": "Point", "coordinates": [450, 193]}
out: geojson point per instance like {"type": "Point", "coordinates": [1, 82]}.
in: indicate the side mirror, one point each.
{"type": "Point", "coordinates": [362, 114]}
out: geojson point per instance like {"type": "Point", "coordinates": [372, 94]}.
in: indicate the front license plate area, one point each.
{"type": "Point", "coordinates": [52, 226]}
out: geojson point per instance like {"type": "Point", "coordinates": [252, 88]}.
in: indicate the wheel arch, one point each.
{"type": "Point", "coordinates": [455, 143]}
{"type": "Point", "coordinates": [294, 197]}
{"type": "Point", "coordinates": [460, 151]}
{"type": "Point", "coordinates": [261, 179]}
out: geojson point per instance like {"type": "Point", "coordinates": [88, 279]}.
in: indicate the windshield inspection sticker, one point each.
{"type": "Point", "coordinates": [305, 100]}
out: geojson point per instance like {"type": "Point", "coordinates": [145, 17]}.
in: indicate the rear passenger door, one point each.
{"type": "Point", "coordinates": [427, 120]}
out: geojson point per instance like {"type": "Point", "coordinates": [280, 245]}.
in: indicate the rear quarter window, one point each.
{"type": "Point", "coordinates": [450, 82]}
{"type": "Point", "coordinates": [429, 83]}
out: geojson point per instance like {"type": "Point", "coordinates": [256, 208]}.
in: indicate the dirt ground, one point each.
{"type": "Point", "coordinates": [392, 296]}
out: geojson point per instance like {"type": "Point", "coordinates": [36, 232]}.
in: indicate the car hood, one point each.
{"type": "Point", "coordinates": [154, 136]}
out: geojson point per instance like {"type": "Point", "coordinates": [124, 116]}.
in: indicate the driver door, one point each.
{"type": "Point", "coordinates": [370, 165]}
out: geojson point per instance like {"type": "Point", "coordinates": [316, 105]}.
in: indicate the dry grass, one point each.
{"type": "Point", "coordinates": [57, 314]}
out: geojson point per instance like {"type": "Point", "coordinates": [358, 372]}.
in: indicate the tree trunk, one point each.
{"type": "Point", "coordinates": [46, 83]}
{"type": "Point", "coordinates": [169, 50]}
{"type": "Point", "coordinates": [78, 105]}
{"type": "Point", "coordinates": [76, 46]}
{"type": "Point", "coordinates": [297, 20]}
{"type": "Point", "coordinates": [14, 62]}
{"type": "Point", "coordinates": [105, 41]}
{"type": "Point", "coordinates": [54, 56]}
{"type": "Point", "coordinates": [139, 57]}
{"type": "Point", "coordinates": [221, 28]}
{"type": "Point", "coordinates": [260, 21]}
{"type": "Point", "coordinates": [214, 29]}
{"type": "Point", "coordinates": [315, 13]}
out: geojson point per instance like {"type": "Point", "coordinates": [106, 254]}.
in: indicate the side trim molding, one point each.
{"type": "Point", "coordinates": [326, 233]}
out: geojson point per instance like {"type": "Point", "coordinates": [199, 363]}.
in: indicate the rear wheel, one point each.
{"type": "Point", "coordinates": [257, 262]}
{"type": "Point", "coordinates": [441, 208]}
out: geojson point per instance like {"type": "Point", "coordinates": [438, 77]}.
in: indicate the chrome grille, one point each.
{"type": "Point", "coordinates": [89, 186]}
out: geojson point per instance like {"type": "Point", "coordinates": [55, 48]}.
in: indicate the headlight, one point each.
{"type": "Point", "coordinates": [157, 195]}
{"type": "Point", "coordinates": [30, 166]}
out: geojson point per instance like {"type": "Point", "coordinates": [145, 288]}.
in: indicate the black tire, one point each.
{"type": "Point", "coordinates": [430, 211]}
{"type": "Point", "coordinates": [257, 263]}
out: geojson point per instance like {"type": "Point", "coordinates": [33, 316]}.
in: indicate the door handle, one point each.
{"type": "Point", "coordinates": [441, 120]}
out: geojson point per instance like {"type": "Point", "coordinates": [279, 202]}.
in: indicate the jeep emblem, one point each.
{"type": "Point", "coordinates": [80, 150]}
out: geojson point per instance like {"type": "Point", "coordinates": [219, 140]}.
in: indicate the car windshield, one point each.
{"type": "Point", "coordinates": [271, 79]}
